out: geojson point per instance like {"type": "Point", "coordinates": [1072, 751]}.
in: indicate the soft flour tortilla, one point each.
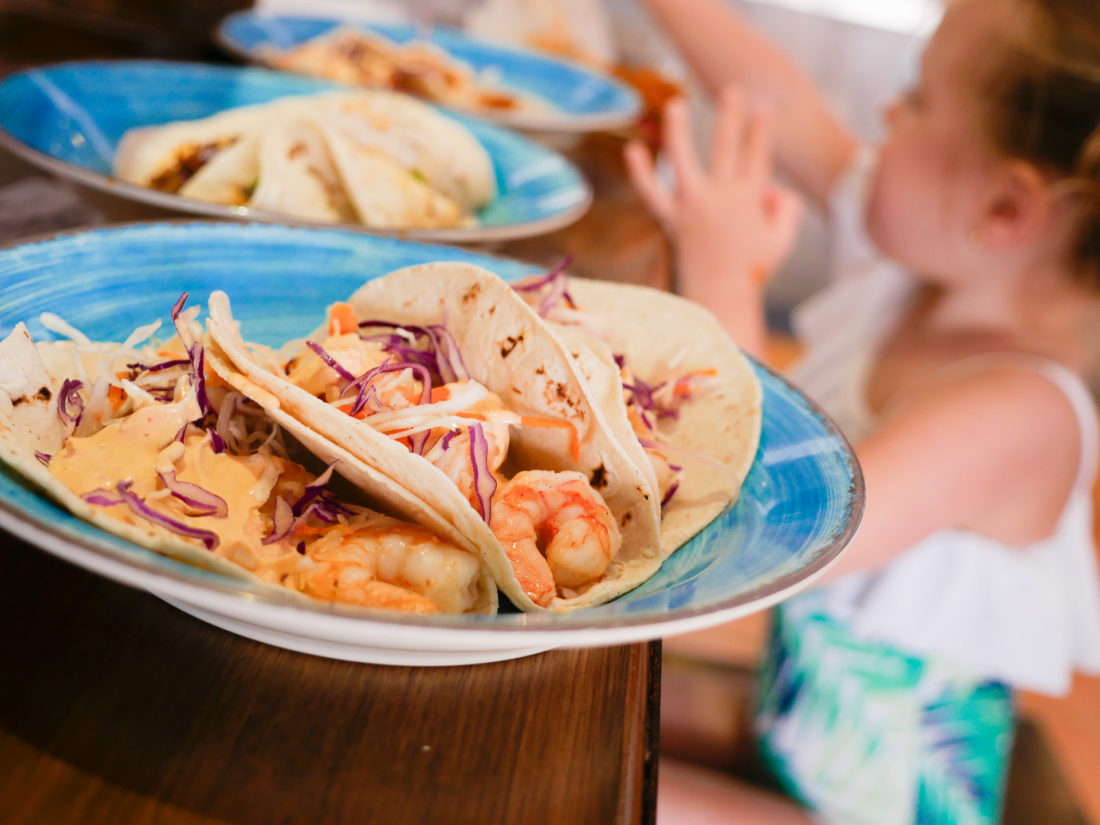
{"type": "Point", "coordinates": [297, 175]}
{"type": "Point", "coordinates": [512, 351]}
{"type": "Point", "coordinates": [717, 432]}
{"type": "Point", "coordinates": [146, 152]}
{"type": "Point", "coordinates": [378, 157]}
{"type": "Point", "coordinates": [384, 193]}
{"type": "Point", "coordinates": [29, 423]}
{"type": "Point", "coordinates": [443, 151]}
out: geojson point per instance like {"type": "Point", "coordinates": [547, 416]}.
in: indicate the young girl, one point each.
{"type": "Point", "coordinates": [951, 349]}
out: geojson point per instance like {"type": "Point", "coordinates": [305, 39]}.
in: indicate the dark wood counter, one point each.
{"type": "Point", "coordinates": [117, 708]}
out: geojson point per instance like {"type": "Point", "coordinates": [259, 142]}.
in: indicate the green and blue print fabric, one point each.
{"type": "Point", "coordinates": [864, 734]}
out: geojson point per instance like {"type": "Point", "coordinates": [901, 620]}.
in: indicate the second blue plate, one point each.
{"type": "Point", "coordinates": [68, 119]}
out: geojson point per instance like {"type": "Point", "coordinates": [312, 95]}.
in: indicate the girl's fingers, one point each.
{"type": "Point", "coordinates": [784, 207]}
{"type": "Point", "coordinates": [757, 160]}
{"type": "Point", "coordinates": [654, 194]}
{"type": "Point", "coordinates": [729, 133]}
{"type": "Point", "coordinates": [680, 146]}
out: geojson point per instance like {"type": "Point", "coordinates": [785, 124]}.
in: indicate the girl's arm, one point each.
{"type": "Point", "coordinates": [813, 146]}
{"type": "Point", "coordinates": [996, 452]}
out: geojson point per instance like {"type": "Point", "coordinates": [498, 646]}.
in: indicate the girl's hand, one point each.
{"type": "Point", "coordinates": [731, 224]}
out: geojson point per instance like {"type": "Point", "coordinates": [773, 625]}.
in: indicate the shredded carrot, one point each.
{"type": "Point", "coordinates": [539, 421]}
{"type": "Point", "coordinates": [116, 395]}
{"type": "Point", "coordinates": [474, 416]}
{"type": "Point", "coordinates": [681, 388]}
{"type": "Point", "coordinates": [342, 319]}
{"type": "Point", "coordinates": [441, 393]}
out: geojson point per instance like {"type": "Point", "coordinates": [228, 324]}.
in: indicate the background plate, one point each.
{"type": "Point", "coordinates": [799, 506]}
{"type": "Point", "coordinates": [583, 100]}
{"type": "Point", "coordinates": [68, 119]}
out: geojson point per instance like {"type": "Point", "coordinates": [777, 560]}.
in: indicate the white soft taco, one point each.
{"type": "Point", "coordinates": [374, 157]}
{"type": "Point", "coordinates": [675, 390]}
{"type": "Point", "coordinates": [441, 377]}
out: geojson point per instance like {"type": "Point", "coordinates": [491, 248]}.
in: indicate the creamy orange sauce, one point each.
{"type": "Point", "coordinates": [369, 559]}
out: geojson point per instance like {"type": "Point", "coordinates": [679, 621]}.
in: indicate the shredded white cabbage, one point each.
{"type": "Point", "coordinates": [139, 335]}
{"type": "Point", "coordinates": [139, 396]}
{"type": "Point", "coordinates": [466, 396]}
{"type": "Point", "coordinates": [62, 327]}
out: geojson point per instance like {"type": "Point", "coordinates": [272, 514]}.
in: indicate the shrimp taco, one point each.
{"type": "Point", "coordinates": [378, 158]}
{"type": "Point", "coordinates": [440, 376]}
{"type": "Point", "coordinates": [152, 443]}
{"type": "Point", "coordinates": [686, 404]}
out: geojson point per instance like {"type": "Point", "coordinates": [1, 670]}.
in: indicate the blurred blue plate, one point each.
{"type": "Point", "coordinates": [68, 119]}
{"type": "Point", "coordinates": [580, 99]}
{"type": "Point", "coordinates": [798, 508]}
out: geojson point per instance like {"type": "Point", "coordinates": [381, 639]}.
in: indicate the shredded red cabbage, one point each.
{"type": "Point", "coordinates": [484, 482]}
{"type": "Point", "coordinates": [123, 494]}
{"type": "Point", "coordinates": [70, 405]}
{"type": "Point", "coordinates": [448, 354]}
{"type": "Point", "coordinates": [643, 393]}
{"type": "Point", "coordinates": [103, 497]}
{"type": "Point", "coordinates": [439, 353]}
{"type": "Point", "coordinates": [163, 365]}
{"type": "Point", "coordinates": [328, 359]}
{"type": "Point", "coordinates": [181, 329]}
{"type": "Point", "coordinates": [282, 522]}
{"type": "Point", "coordinates": [43, 458]}
{"type": "Point", "coordinates": [536, 282]}
{"type": "Point", "coordinates": [198, 376]}
{"type": "Point", "coordinates": [216, 442]}
{"type": "Point", "coordinates": [312, 490]}
{"type": "Point", "coordinates": [557, 283]}
{"type": "Point", "coordinates": [367, 378]}
{"type": "Point", "coordinates": [315, 501]}
{"type": "Point", "coordinates": [207, 537]}
{"type": "Point", "coordinates": [199, 499]}
{"type": "Point", "coordinates": [671, 492]}
{"type": "Point", "coordinates": [178, 307]}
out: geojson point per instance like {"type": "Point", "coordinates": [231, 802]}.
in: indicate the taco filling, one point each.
{"type": "Point", "coordinates": [439, 376]}
{"type": "Point", "coordinates": [159, 442]}
{"type": "Point", "coordinates": [410, 383]}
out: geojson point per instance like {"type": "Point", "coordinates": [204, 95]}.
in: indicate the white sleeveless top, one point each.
{"type": "Point", "coordinates": [1028, 615]}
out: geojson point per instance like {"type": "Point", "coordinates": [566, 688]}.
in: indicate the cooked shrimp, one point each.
{"type": "Point", "coordinates": [385, 563]}
{"type": "Point", "coordinates": [556, 530]}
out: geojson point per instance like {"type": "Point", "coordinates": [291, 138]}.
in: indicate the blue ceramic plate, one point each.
{"type": "Point", "coordinates": [580, 100]}
{"type": "Point", "coordinates": [799, 506]}
{"type": "Point", "coordinates": [68, 119]}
